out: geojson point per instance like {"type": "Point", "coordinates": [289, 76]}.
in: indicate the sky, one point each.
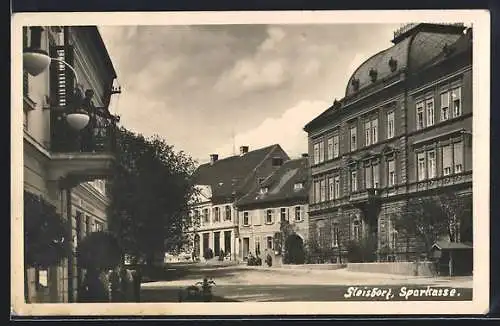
{"type": "Point", "coordinates": [213, 88]}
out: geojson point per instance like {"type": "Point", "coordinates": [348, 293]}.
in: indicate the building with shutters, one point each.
{"type": "Point", "coordinates": [278, 201]}
{"type": "Point", "coordinates": [66, 168]}
{"type": "Point", "coordinates": [222, 182]}
{"type": "Point", "coordinates": [403, 128]}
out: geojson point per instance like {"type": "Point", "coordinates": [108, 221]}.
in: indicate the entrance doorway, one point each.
{"type": "Point", "coordinates": [246, 247]}
{"type": "Point", "coordinates": [216, 243]}
{"type": "Point", "coordinates": [294, 250]}
{"type": "Point", "coordinates": [227, 242]}
{"type": "Point", "coordinates": [206, 243]}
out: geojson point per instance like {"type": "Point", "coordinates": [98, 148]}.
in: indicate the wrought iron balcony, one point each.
{"type": "Point", "coordinates": [364, 196]}
{"type": "Point", "coordinates": [84, 155]}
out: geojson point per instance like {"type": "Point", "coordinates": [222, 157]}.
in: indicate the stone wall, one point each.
{"type": "Point", "coordinates": [400, 268]}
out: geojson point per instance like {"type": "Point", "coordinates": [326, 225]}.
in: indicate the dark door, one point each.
{"type": "Point", "coordinates": [227, 242]}
{"type": "Point", "coordinates": [206, 243]}
{"type": "Point", "coordinates": [246, 247]}
{"type": "Point", "coordinates": [216, 243]}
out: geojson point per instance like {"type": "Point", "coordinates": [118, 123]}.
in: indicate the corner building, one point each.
{"type": "Point", "coordinates": [403, 128]}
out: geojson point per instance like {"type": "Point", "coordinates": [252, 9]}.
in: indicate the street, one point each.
{"type": "Point", "coordinates": [239, 283]}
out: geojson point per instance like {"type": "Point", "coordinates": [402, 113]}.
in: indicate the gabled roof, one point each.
{"type": "Point", "coordinates": [281, 185]}
{"type": "Point", "coordinates": [228, 176]}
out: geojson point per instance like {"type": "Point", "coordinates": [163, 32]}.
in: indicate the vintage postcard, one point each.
{"type": "Point", "coordinates": [250, 163]}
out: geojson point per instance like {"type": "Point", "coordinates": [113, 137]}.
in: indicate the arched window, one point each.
{"type": "Point", "coordinates": [356, 229]}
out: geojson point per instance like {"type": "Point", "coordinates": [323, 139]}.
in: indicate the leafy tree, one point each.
{"type": "Point", "coordinates": [150, 191]}
{"type": "Point", "coordinates": [440, 214]}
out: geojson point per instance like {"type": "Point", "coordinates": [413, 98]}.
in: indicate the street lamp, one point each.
{"type": "Point", "coordinates": [37, 60]}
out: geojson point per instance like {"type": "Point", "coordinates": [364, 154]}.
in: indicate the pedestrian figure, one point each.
{"type": "Point", "coordinates": [122, 284]}
{"type": "Point", "coordinates": [95, 286]}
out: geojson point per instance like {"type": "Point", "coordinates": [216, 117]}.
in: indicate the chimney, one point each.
{"type": "Point", "coordinates": [243, 150]}
{"type": "Point", "coordinates": [304, 155]}
{"type": "Point", "coordinates": [213, 158]}
{"type": "Point", "coordinates": [277, 161]}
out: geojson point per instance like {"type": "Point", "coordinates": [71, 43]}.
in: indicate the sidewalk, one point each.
{"type": "Point", "coordinates": [343, 276]}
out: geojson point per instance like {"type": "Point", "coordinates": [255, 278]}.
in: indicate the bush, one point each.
{"type": "Point", "coordinates": [254, 261]}
{"type": "Point", "coordinates": [361, 251]}
{"type": "Point", "coordinates": [208, 254]}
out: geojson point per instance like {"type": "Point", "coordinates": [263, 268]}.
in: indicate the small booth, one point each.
{"type": "Point", "coordinates": [452, 258]}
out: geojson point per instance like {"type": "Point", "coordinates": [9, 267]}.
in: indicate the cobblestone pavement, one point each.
{"type": "Point", "coordinates": [242, 283]}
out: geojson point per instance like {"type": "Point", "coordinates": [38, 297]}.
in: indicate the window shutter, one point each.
{"type": "Point", "coordinates": [62, 79]}
{"type": "Point", "coordinates": [63, 138]}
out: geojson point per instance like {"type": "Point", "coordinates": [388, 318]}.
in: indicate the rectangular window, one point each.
{"type": "Point", "coordinates": [298, 215]}
{"type": "Point", "coordinates": [196, 215]}
{"type": "Point", "coordinates": [206, 217]}
{"type": "Point", "coordinates": [376, 173]}
{"type": "Point", "coordinates": [336, 146]}
{"type": "Point", "coordinates": [431, 164]}
{"type": "Point", "coordinates": [447, 160]}
{"type": "Point", "coordinates": [391, 173]}
{"type": "Point", "coordinates": [316, 153]}
{"type": "Point", "coordinates": [330, 148]}
{"type": "Point", "coordinates": [316, 191]}
{"type": "Point", "coordinates": [368, 177]}
{"type": "Point", "coordinates": [354, 181]}
{"type": "Point", "coordinates": [420, 115]}
{"type": "Point", "coordinates": [354, 141]}
{"type": "Point", "coordinates": [356, 230]}
{"type": "Point", "coordinates": [337, 186]}
{"type": "Point", "coordinates": [445, 106]}
{"type": "Point", "coordinates": [321, 152]}
{"type": "Point", "coordinates": [429, 103]}
{"type": "Point", "coordinates": [246, 220]}
{"type": "Point", "coordinates": [228, 213]}
{"type": "Point", "coordinates": [216, 214]}
{"type": "Point", "coordinates": [335, 235]}
{"type": "Point", "coordinates": [456, 100]}
{"type": "Point", "coordinates": [322, 190]}
{"type": "Point", "coordinates": [374, 131]}
{"type": "Point", "coordinates": [390, 125]}
{"type": "Point", "coordinates": [269, 216]}
{"type": "Point", "coordinates": [331, 194]}
{"type": "Point", "coordinates": [421, 171]}
{"type": "Point", "coordinates": [283, 215]}
{"type": "Point", "coordinates": [458, 157]}
{"type": "Point", "coordinates": [269, 241]}
{"type": "Point", "coordinates": [368, 138]}
{"type": "Point", "coordinates": [298, 186]}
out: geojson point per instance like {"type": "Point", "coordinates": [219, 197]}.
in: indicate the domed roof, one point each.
{"type": "Point", "coordinates": [418, 47]}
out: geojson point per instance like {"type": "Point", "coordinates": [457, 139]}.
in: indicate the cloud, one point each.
{"type": "Point", "coordinates": [260, 70]}
{"type": "Point", "coordinates": [275, 36]}
{"type": "Point", "coordinates": [286, 130]}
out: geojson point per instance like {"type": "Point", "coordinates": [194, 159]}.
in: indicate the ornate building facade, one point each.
{"type": "Point", "coordinates": [404, 128]}
{"type": "Point", "coordinates": [65, 168]}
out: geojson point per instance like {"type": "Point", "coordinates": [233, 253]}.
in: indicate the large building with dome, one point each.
{"type": "Point", "coordinates": [403, 128]}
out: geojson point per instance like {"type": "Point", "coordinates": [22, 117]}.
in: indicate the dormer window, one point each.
{"type": "Point", "coordinates": [264, 190]}
{"type": "Point", "coordinates": [298, 186]}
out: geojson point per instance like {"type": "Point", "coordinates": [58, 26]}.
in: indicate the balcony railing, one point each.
{"type": "Point", "coordinates": [98, 137]}
{"type": "Point", "coordinates": [364, 195]}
